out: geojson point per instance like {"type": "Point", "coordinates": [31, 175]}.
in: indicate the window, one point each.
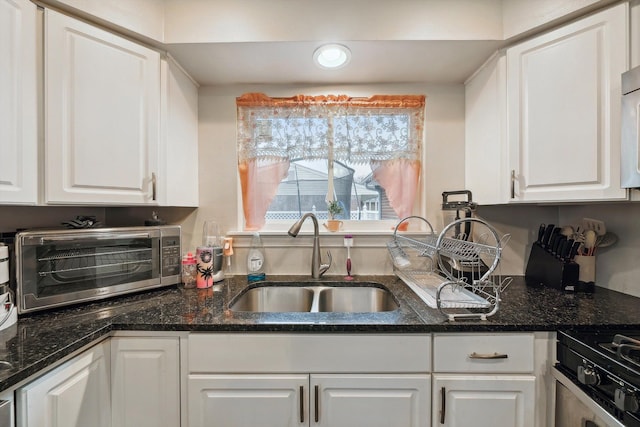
{"type": "Point", "coordinates": [295, 154]}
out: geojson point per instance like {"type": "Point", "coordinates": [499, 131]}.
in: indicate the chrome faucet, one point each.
{"type": "Point", "coordinates": [317, 267]}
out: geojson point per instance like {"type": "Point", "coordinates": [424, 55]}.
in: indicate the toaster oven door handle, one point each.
{"type": "Point", "coordinates": [96, 236]}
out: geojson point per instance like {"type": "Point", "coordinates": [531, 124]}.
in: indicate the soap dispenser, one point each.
{"type": "Point", "coordinates": [256, 260]}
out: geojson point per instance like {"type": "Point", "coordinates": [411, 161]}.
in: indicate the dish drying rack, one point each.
{"type": "Point", "coordinates": [455, 272]}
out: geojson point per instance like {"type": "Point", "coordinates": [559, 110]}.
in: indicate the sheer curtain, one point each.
{"type": "Point", "coordinates": [384, 131]}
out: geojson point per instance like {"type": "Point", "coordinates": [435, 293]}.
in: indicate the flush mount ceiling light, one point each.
{"type": "Point", "coordinates": [332, 56]}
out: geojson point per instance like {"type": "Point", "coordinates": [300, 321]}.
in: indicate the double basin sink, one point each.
{"type": "Point", "coordinates": [314, 297]}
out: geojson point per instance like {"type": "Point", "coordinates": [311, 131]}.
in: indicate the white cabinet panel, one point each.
{"type": "Point", "coordinates": [283, 353]}
{"type": "Point", "coordinates": [483, 401]}
{"type": "Point", "coordinates": [486, 161]}
{"type": "Point", "coordinates": [102, 112]}
{"type": "Point", "coordinates": [178, 174]}
{"type": "Point", "coordinates": [563, 94]}
{"type": "Point", "coordinates": [76, 394]}
{"type": "Point", "coordinates": [18, 103]}
{"type": "Point", "coordinates": [248, 400]}
{"type": "Point", "coordinates": [145, 386]}
{"type": "Point", "coordinates": [484, 353]}
{"type": "Point", "coordinates": [370, 400]}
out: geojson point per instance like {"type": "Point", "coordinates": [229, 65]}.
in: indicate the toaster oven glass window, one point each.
{"type": "Point", "coordinates": [69, 267]}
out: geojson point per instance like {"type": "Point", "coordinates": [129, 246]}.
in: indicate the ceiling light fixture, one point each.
{"type": "Point", "coordinates": [332, 56]}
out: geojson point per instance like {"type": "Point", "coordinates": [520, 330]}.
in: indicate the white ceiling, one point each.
{"type": "Point", "coordinates": [290, 62]}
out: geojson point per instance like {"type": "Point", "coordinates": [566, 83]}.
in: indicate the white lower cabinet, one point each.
{"type": "Point", "coordinates": [145, 382]}
{"type": "Point", "coordinates": [371, 400]}
{"type": "Point", "coordinates": [492, 379]}
{"type": "Point", "coordinates": [120, 382]}
{"type": "Point", "coordinates": [483, 400]}
{"type": "Point", "coordinates": [339, 400]}
{"type": "Point", "coordinates": [248, 400]}
{"type": "Point", "coordinates": [319, 380]}
{"type": "Point", "coordinates": [75, 394]}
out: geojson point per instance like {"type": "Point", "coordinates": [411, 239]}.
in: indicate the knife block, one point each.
{"type": "Point", "coordinates": [544, 269]}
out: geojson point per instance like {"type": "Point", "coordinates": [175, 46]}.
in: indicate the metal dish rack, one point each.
{"type": "Point", "coordinates": [457, 274]}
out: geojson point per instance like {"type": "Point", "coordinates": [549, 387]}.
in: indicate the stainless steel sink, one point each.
{"type": "Point", "coordinates": [356, 300]}
{"type": "Point", "coordinates": [274, 299]}
{"type": "Point", "coordinates": [313, 297]}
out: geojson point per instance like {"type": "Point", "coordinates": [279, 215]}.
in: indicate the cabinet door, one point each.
{"type": "Point", "coordinates": [483, 401]}
{"type": "Point", "coordinates": [486, 161]}
{"type": "Point", "coordinates": [102, 112]}
{"type": "Point", "coordinates": [178, 176]}
{"type": "Point", "coordinates": [145, 387]}
{"type": "Point", "coordinates": [370, 400]}
{"type": "Point", "coordinates": [248, 400]}
{"type": "Point", "coordinates": [76, 394]}
{"type": "Point", "coordinates": [18, 111]}
{"type": "Point", "coordinates": [564, 110]}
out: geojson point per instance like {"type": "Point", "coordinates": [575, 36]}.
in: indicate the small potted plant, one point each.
{"type": "Point", "coordinates": [334, 208]}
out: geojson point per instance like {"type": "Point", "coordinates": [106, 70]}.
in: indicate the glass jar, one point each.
{"type": "Point", "coordinates": [189, 270]}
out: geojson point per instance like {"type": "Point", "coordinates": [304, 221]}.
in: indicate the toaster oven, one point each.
{"type": "Point", "coordinates": [61, 267]}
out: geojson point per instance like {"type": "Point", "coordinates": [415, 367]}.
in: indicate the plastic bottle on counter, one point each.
{"type": "Point", "coordinates": [256, 260]}
{"type": "Point", "coordinates": [189, 270]}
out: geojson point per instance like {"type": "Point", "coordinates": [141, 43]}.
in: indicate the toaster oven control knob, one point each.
{"type": "Point", "coordinates": [588, 376]}
{"type": "Point", "coordinates": [626, 400]}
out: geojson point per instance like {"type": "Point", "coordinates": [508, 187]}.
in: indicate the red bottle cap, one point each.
{"type": "Point", "coordinates": [188, 258]}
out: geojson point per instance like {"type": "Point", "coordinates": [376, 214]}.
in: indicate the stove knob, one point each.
{"type": "Point", "coordinates": [626, 400]}
{"type": "Point", "coordinates": [588, 376]}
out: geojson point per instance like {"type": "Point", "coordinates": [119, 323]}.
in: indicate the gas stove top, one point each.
{"type": "Point", "coordinates": [606, 365]}
{"type": "Point", "coordinates": [625, 349]}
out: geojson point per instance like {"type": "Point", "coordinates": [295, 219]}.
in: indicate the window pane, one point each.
{"type": "Point", "coordinates": [305, 190]}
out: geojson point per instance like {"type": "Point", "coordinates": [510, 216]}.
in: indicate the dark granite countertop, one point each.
{"type": "Point", "coordinates": [41, 339]}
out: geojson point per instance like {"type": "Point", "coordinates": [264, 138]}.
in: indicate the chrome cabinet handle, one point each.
{"type": "Point", "coordinates": [317, 403]}
{"type": "Point", "coordinates": [475, 355]}
{"type": "Point", "coordinates": [513, 183]}
{"type": "Point", "coordinates": [153, 186]}
{"type": "Point", "coordinates": [301, 404]}
{"type": "Point", "coordinates": [443, 397]}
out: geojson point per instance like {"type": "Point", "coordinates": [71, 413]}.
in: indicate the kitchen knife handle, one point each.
{"type": "Point", "coordinates": [560, 249]}
{"type": "Point", "coordinates": [574, 250]}
{"type": "Point", "coordinates": [547, 235]}
{"type": "Point", "coordinates": [540, 233]}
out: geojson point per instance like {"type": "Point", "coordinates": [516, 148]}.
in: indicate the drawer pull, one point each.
{"type": "Point", "coordinates": [475, 355]}
{"type": "Point", "coordinates": [317, 403]}
{"type": "Point", "coordinates": [443, 404]}
{"type": "Point", "coordinates": [513, 184]}
{"type": "Point", "coordinates": [301, 404]}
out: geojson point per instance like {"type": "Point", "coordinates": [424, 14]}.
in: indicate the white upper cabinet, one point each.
{"type": "Point", "coordinates": [485, 132]}
{"type": "Point", "coordinates": [18, 105]}
{"type": "Point", "coordinates": [178, 175]}
{"type": "Point", "coordinates": [563, 91]}
{"type": "Point", "coordinates": [102, 116]}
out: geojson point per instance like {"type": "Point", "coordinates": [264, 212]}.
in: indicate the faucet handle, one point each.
{"type": "Point", "coordinates": [325, 267]}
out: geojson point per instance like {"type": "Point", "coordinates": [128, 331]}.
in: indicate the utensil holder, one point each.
{"type": "Point", "coordinates": [544, 269]}
{"type": "Point", "coordinates": [587, 268]}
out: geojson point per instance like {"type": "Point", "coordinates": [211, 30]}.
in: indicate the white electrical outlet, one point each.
{"type": "Point", "coordinates": [595, 225]}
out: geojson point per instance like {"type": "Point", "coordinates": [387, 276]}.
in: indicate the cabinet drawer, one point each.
{"type": "Point", "coordinates": [483, 353]}
{"type": "Point", "coordinates": [316, 353]}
